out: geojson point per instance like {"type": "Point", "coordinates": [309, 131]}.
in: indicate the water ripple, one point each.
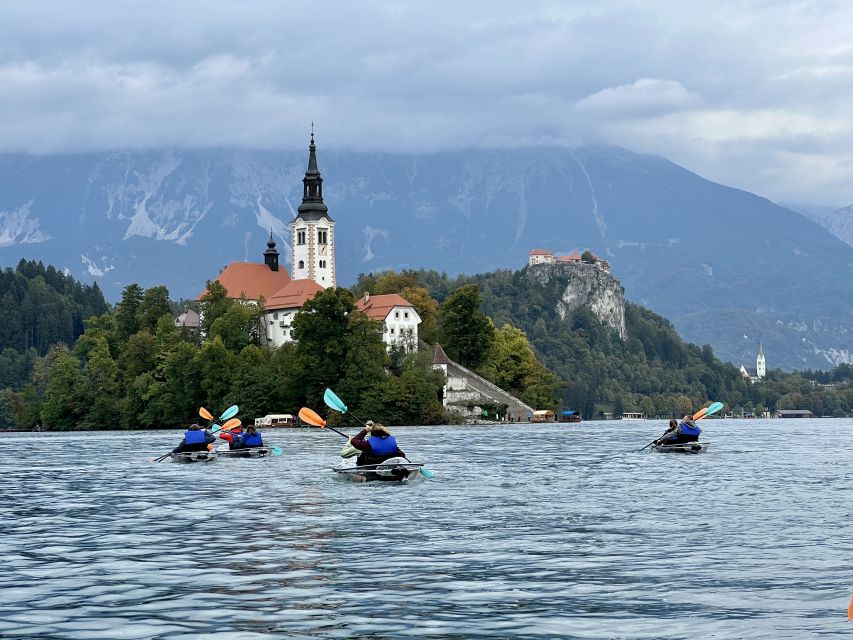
{"type": "Point", "coordinates": [526, 532]}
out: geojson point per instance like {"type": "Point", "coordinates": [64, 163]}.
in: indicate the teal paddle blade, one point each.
{"type": "Point", "coordinates": [215, 428]}
{"type": "Point", "coordinates": [426, 473]}
{"type": "Point", "coordinates": [276, 451]}
{"type": "Point", "coordinates": [230, 412]}
{"type": "Point", "coordinates": [334, 402]}
{"type": "Point", "coordinates": [714, 408]}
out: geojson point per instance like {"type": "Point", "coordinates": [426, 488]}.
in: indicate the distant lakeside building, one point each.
{"type": "Point", "coordinates": [312, 234]}
{"type": "Point", "coordinates": [759, 371]}
{"type": "Point", "coordinates": [546, 256]}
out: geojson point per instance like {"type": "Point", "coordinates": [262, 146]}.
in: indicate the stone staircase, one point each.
{"type": "Point", "coordinates": [464, 387]}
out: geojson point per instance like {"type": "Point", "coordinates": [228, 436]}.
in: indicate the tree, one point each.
{"type": "Point", "coordinates": [214, 303]}
{"type": "Point", "coordinates": [588, 257]}
{"type": "Point", "coordinates": [237, 327]}
{"type": "Point", "coordinates": [127, 311]}
{"type": "Point", "coordinates": [60, 407]}
{"type": "Point", "coordinates": [320, 330]}
{"type": "Point", "coordinates": [466, 332]}
{"type": "Point", "coordinates": [154, 305]}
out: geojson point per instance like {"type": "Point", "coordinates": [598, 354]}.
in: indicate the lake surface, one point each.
{"type": "Point", "coordinates": [527, 531]}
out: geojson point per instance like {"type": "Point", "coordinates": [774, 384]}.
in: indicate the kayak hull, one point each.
{"type": "Point", "coordinates": [250, 452]}
{"type": "Point", "coordinates": [686, 447]}
{"type": "Point", "coordinates": [393, 470]}
{"type": "Point", "coordinates": [195, 456]}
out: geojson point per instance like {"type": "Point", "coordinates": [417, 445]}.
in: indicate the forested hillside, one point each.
{"type": "Point", "coordinates": [654, 371]}
{"type": "Point", "coordinates": [41, 307]}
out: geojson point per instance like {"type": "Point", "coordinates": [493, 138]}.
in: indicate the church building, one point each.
{"type": "Point", "coordinates": [312, 241]}
{"type": "Point", "coordinates": [754, 374]}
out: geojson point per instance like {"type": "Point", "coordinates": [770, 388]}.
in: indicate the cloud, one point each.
{"type": "Point", "coordinates": [713, 85]}
{"type": "Point", "coordinates": [643, 97]}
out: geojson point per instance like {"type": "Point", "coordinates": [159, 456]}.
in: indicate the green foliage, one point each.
{"type": "Point", "coordinates": [43, 307]}
{"type": "Point", "coordinates": [466, 333]}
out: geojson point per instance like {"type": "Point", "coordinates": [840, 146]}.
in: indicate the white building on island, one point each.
{"type": "Point", "coordinates": [398, 316]}
{"type": "Point", "coordinates": [759, 371]}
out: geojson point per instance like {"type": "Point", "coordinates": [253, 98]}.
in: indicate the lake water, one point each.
{"type": "Point", "coordinates": [527, 531]}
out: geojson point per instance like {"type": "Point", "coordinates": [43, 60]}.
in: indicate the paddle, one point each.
{"type": "Point", "coordinates": [334, 402]}
{"type": "Point", "coordinates": [311, 417]}
{"type": "Point", "coordinates": [702, 413]}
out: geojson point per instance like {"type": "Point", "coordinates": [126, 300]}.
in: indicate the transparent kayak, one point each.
{"type": "Point", "coordinates": [195, 456]}
{"type": "Point", "coordinates": [686, 447]}
{"type": "Point", "coordinates": [392, 470]}
{"type": "Point", "coordinates": [249, 452]}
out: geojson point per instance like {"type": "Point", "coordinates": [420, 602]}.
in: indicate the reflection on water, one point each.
{"type": "Point", "coordinates": [526, 531]}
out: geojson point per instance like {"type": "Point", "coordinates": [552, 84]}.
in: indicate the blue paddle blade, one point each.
{"type": "Point", "coordinates": [276, 451]}
{"type": "Point", "coordinates": [334, 402]}
{"type": "Point", "coordinates": [714, 408]}
{"type": "Point", "coordinates": [426, 473]}
{"type": "Point", "coordinates": [215, 428]}
{"type": "Point", "coordinates": [230, 412]}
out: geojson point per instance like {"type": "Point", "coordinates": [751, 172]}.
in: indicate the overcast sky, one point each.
{"type": "Point", "coordinates": [757, 95]}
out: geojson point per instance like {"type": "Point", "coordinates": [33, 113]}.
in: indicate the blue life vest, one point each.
{"type": "Point", "coordinates": [253, 440]}
{"type": "Point", "coordinates": [194, 436]}
{"type": "Point", "coordinates": [237, 441]}
{"type": "Point", "coordinates": [687, 430]}
{"type": "Point", "coordinates": [382, 446]}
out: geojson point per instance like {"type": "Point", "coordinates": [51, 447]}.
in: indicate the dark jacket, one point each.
{"type": "Point", "coordinates": [367, 456]}
{"type": "Point", "coordinates": [209, 438]}
{"type": "Point", "coordinates": [677, 436]}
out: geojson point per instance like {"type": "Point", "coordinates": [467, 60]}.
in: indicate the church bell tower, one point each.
{"type": "Point", "coordinates": [760, 365]}
{"type": "Point", "coordinates": [313, 229]}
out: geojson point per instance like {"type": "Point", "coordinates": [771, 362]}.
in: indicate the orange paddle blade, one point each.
{"type": "Point", "coordinates": [204, 413]}
{"type": "Point", "coordinates": [699, 414]}
{"type": "Point", "coordinates": [311, 417]}
{"type": "Point", "coordinates": [233, 423]}
{"type": "Point", "coordinates": [850, 609]}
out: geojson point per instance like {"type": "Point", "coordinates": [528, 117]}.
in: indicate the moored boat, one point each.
{"type": "Point", "coordinates": [195, 456]}
{"type": "Point", "coordinates": [248, 452]}
{"type": "Point", "coordinates": [392, 470]}
{"type": "Point", "coordinates": [685, 447]}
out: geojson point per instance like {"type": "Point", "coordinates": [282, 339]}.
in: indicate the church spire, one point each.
{"type": "Point", "coordinates": [312, 207]}
{"type": "Point", "coordinates": [271, 254]}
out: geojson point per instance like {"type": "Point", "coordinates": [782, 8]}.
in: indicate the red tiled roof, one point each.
{"type": "Point", "coordinates": [541, 252]}
{"type": "Point", "coordinates": [253, 279]}
{"type": "Point", "coordinates": [378, 307]}
{"type": "Point", "coordinates": [293, 295]}
{"type": "Point", "coordinates": [572, 257]}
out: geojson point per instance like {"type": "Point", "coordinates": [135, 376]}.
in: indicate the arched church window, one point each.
{"type": "Point", "coordinates": [301, 264]}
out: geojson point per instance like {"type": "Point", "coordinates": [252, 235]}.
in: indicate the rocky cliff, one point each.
{"type": "Point", "coordinates": [587, 285]}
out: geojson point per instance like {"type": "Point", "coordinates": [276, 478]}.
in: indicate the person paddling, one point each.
{"type": "Point", "coordinates": [195, 439]}
{"type": "Point", "coordinates": [679, 433]}
{"type": "Point", "coordinates": [378, 448]}
{"type": "Point", "coordinates": [253, 437]}
{"type": "Point", "coordinates": [234, 438]}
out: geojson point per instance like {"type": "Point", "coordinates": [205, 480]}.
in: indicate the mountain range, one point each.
{"type": "Point", "coordinates": [727, 267]}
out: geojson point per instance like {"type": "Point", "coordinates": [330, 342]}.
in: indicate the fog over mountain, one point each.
{"type": "Point", "coordinates": [727, 267]}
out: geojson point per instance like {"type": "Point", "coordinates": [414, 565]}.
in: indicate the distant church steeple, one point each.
{"type": "Point", "coordinates": [760, 365]}
{"type": "Point", "coordinates": [271, 254]}
{"type": "Point", "coordinates": [313, 229]}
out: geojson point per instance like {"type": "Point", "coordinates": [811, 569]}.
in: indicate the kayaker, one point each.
{"type": "Point", "coordinates": [253, 437]}
{"type": "Point", "coordinates": [195, 439]}
{"type": "Point", "coordinates": [234, 438]}
{"type": "Point", "coordinates": [380, 447]}
{"type": "Point", "coordinates": [679, 433]}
